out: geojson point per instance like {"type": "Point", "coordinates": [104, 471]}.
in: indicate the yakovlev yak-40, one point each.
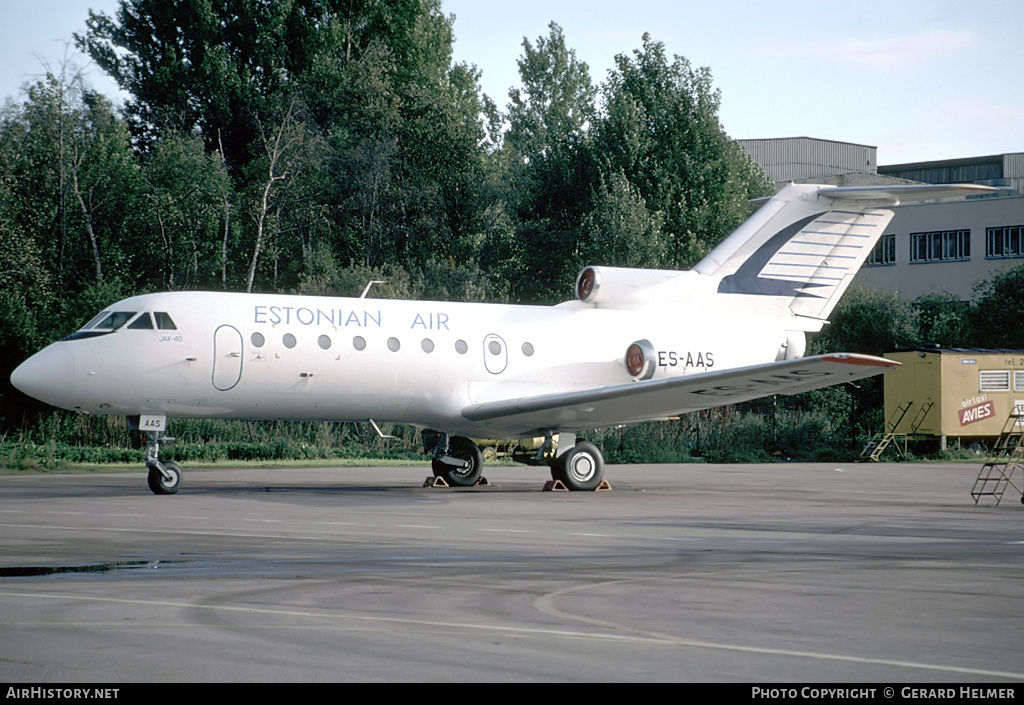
{"type": "Point", "coordinates": [635, 345]}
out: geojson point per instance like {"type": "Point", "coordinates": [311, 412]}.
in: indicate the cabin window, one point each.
{"type": "Point", "coordinates": [427, 344]}
{"type": "Point", "coordinates": [461, 347]}
{"type": "Point", "coordinates": [324, 342]}
{"type": "Point", "coordinates": [164, 322]}
{"type": "Point", "coordinates": [143, 322]}
{"type": "Point", "coordinates": [257, 340]}
{"type": "Point", "coordinates": [289, 340]}
{"type": "Point", "coordinates": [359, 342]}
{"type": "Point", "coordinates": [528, 349]}
{"type": "Point", "coordinates": [394, 344]}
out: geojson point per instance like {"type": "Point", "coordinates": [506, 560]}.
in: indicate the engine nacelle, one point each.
{"type": "Point", "coordinates": [641, 360]}
{"type": "Point", "coordinates": [625, 286]}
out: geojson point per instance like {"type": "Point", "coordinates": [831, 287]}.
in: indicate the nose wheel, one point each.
{"type": "Point", "coordinates": [164, 478]}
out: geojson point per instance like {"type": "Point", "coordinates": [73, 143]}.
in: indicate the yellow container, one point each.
{"type": "Point", "coordinates": [954, 392]}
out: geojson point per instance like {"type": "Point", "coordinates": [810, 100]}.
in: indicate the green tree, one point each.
{"type": "Point", "coordinates": [621, 231]}
{"type": "Point", "coordinates": [207, 65]}
{"type": "Point", "coordinates": [942, 319]}
{"type": "Point", "coordinates": [555, 105]}
{"type": "Point", "coordinates": [661, 131]}
{"type": "Point", "coordinates": [996, 316]}
{"type": "Point", "coordinates": [183, 211]}
{"type": "Point", "coordinates": [71, 182]}
{"type": "Point", "coordinates": [551, 179]}
{"type": "Point", "coordinates": [869, 321]}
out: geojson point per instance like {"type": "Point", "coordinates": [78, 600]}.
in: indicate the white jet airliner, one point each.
{"type": "Point", "coordinates": [635, 345]}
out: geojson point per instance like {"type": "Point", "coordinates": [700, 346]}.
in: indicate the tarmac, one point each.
{"type": "Point", "coordinates": [765, 574]}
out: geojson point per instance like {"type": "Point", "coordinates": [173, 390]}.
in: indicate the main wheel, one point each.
{"type": "Point", "coordinates": [579, 468]}
{"type": "Point", "coordinates": [165, 485]}
{"type": "Point", "coordinates": [465, 450]}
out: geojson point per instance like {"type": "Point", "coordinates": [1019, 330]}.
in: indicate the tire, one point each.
{"type": "Point", "coordinates": [489, 454]}
{"type": "Point", "coordinates": [159, 484]}
{"type": "Point", "coordinates": [460, 449]}
{"type": "Point", "coordinates": [579, 468]}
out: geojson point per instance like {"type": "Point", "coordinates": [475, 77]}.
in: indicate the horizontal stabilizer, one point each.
{"type": "Point", "coordinates": [912, 193]}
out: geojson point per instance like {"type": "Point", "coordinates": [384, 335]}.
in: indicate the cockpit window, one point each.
{"type": "Point", "coordinates": [96, 320]}
{"type": "Point", "coordinates": [114, 320]}
{"type": "Point", "coordinates": [164, 322]}
{"type": "Point", "coordinates": [143, 322]}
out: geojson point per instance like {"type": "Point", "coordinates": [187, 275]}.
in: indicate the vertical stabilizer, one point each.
{"type": "Point", "coordinates": [803, 248]}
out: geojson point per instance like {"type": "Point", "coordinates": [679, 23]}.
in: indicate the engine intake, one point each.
{"type": "Point", "coordinates": [641, 360]}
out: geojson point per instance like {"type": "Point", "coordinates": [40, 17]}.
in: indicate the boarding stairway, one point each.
{"type": "Point", "coordinates": [1006, 456]}
{"type": "Point", "coordinates": [874, 448]}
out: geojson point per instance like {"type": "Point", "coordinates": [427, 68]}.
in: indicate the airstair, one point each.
{"type": "Point", "coordinates": [874, 448]}
{"type": "Point", "coordinates": [1006, 456]}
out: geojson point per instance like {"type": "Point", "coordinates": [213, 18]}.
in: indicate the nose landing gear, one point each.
{"type": "Point", "coordinates": [164, 477]}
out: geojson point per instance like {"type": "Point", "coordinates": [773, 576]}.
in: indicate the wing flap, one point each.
{"type": "Point", "coordinates": [661, 398]}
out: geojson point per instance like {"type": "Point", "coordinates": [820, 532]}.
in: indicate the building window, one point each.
{"type": "Point", "coordinates": [993, 381]}
{"type": "Point", "coordinates": [1018, 381]}
{"type": "Point", "coordinates": [884, 252]}
{"type": "Point", "coordinates": [1004, 242]}
{"type": "Point", "coordinates": [941, 246]}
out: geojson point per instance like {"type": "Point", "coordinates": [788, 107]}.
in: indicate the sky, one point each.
{"type": "Point", "coordinates": [918, 79]}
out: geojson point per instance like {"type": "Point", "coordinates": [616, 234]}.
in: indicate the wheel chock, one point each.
{"type": "Point", "coordinates": [558, 486]}
{"type": "Point", "coordinates": [440, 482]}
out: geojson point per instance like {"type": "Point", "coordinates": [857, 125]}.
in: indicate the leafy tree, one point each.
{"type": "Point", "coordinates": [183, 209]}
{"type": "Point", "coordinates": [996, 317]}
{"type": "Point", "coordinates": [621, 231]}
{"type": "Point", "coordinates": [942, 319]}
{"type": "Point", "coordinates": [553, 109]}
{"type": "Point", "coordinates": [869, 321]}
{"type": "Point", "coordinates": [661, 131]}
{"type": "Point", "coordinates": [548, 167]}
{"type": "Point", "coordinates": [72, 181]}
{"type": "Point", "coordinates": [210, 65]}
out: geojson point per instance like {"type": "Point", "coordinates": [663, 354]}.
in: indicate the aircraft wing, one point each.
{"type": "Point", "coordinates": [661, 398]}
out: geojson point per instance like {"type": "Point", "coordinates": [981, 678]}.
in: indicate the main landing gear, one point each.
{"type": "Point", "coordinates": [459, 461]}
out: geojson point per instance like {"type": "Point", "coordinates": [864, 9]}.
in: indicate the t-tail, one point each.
{"type": "Point", "coordinates": [807, 243]}
{"type": "Point", "coordinates": [794, 257]}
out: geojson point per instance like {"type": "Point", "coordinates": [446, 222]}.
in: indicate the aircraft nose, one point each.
{"type": "Point", "coordinates": [48, 375]}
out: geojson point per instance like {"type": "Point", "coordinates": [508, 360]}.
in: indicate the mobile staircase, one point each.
{"type": "Point", "coordinates": [874, 448]}
{"type": "Point", "coordinates": [996, 475]}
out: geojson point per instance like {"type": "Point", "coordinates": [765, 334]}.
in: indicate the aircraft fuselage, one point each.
{"type": "Point", "coordinates": [255, 356]}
